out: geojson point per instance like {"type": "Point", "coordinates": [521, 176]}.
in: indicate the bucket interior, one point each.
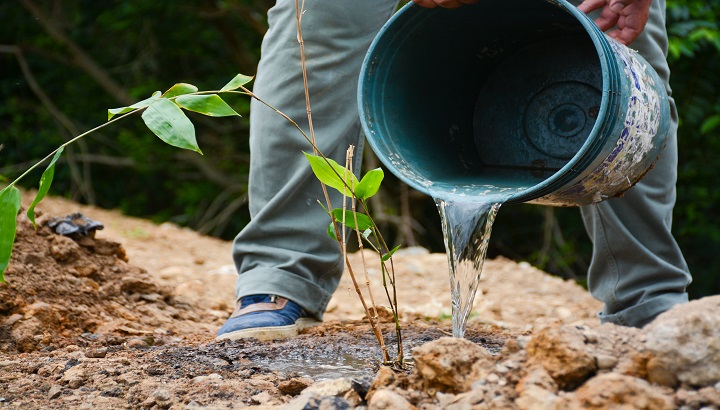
{"type": "Point", "coordinates": [499, 94]}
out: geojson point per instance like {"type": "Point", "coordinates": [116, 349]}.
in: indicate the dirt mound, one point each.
{"type": "Point", "coordinates": [63, 287]}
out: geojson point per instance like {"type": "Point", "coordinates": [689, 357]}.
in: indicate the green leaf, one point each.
{"type": "Point", "coordinates": [237, 82]}
{"type": "Point", "coordinates": [710, 124]}
{"type": "Point", "coordinates": [211, 105]}
{"type": "Point", "coordinates": [179, 89]}
{"type": "Point", "coordinates": [363, 221]}
{"type": "Point", "coordinates": [389, 255]}
{"type": "Point", "coordinates": [331, 230]}
{"type": "Point", "coordinates": [332, 174]}
{"type": "Point", "coordinates": [140, 104]}
{"type": "Point", "coordinates": [369, 184]}
{"type": "Point", "coordinates": [45, 182]}
{"type": "Point", "coordinates": [9, 207]}
{"type": "Point", "coordinates": [169, 123]}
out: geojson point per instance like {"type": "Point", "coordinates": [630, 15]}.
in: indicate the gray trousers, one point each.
{"type": "Point", "coordinates": [637, 268]}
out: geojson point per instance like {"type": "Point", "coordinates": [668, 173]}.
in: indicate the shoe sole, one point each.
{"type": "Point", "coordinates": [271, 332]}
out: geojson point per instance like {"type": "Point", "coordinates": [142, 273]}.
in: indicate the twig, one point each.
{"type": "Point", "coordinates": [299, 10]}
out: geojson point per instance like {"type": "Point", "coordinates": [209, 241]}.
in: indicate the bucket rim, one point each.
{"type": "Point", "coordinates": [565, 176]}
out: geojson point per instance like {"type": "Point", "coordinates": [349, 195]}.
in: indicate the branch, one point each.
{"type": "Point", "coordinates": [79, 56]}
{"type": "Point", "coordinates": [80, 179]}
{"type": "Point", "coordinates": [210, 172]}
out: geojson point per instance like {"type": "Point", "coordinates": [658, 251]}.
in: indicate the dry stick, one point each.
{"type": "Point", "coordinates": [348, 165]}
{"type": "Point", "coordinates": [298, 15]}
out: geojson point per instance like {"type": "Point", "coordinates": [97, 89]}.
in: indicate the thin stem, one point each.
{"type": "Point", "coordinates": [68, 143]}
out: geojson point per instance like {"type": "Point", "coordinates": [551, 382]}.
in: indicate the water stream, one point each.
{"type": "Point", "coordinates": [467, 225]}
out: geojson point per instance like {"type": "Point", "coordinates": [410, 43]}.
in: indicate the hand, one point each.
{"type": "Point", "coordinates": [627, 16]}
{"type": "Point", "coordinates": [448, 4]}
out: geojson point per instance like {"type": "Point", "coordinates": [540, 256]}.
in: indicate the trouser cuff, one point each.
{"type": "Point", "coordinates": [644, 313]}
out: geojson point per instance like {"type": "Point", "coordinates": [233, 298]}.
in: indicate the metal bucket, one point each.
{"type": "Point", "coordinates": [526, 97]}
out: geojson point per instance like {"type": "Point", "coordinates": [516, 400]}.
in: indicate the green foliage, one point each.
{"type": "Point", "coordinates": [210, 105]}
{"type": "Point", "coordinates": [170, 124]}
{"type": "Point", "coordinates": [369, 184]}
{"type": "Point", "coordinates": [694, 57]}
{"type": "Point", "coordinates": [155, 44]}
{"type": "Point", "coordinates": [45, 182]}
{"type": "Point", "coordinates": [9, 208]}
{"type": "Point", "coordinates": [332, 174]}
{"type": "Point", "coordinates": [351, 219]}
{"type": "Point", "coordinates": [161, 115]}
{"type": "Point", "coordinates": [137, 44]}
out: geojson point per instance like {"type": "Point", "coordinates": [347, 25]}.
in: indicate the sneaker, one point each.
{"type": "Point", "coordinates": [265, 317]}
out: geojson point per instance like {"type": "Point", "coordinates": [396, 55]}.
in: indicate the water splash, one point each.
{"type": "Point", "coordinates": [467, 226]}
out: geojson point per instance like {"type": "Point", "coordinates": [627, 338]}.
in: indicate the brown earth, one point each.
{"type": "Point", "coordinates": [127, 320]}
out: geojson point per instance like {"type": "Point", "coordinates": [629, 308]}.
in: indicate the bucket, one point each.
{"type": "Point", "coordinates": [523, 97]}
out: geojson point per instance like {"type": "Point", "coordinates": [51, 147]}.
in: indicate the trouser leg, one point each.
{"type": "Point", "coordinates": [637, 268]}
{"type": "Point", "coordinates": [285, 250]}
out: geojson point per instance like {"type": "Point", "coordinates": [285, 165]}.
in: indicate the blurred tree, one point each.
{"type": "Point", "coordinates": [62, 62]}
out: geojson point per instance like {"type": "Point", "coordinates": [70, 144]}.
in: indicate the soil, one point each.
{"type": "Point", "coordinates": [126, 317]}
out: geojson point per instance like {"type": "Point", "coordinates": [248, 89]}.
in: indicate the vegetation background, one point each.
{"type": "Point", "coordinates": [63, 62]}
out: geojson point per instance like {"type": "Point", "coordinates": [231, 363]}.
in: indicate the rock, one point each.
{"type": "Point", "coordinates": [561, 351]}
{"type": "Point", "coordinates": [605, 361]}
{"type": "Point", "coordinates": [335, 388]}
{"type": "Point", "coordinates": [304, 402]}
{"type": "Point", "coordinates": [537, 377]}
{"type": "Point", "coordinates": [385, 377]}
{"type": "Point", "coordinates": [98, 353]}
{"type": "Point", "coordinates": [534, 397]}
{"type": "Point", "coordinates": [134, 284]}
{"type": "Point", "coordinates": [451, 365]}
{"type": "Point", "coordinates": [294, 386]}
{"type": "Point", "coordinates": [214, 377]}
{"type": "Point", "coordinates": [137, 343]}
{"type": "Point", "coordinates": [616, 391]}
{"type": "Point", "coordinates": [386, 399]}
{"type": "Point", "coordinates": [685, 344]}
{"type": "Point", "coordinates": [74, 377]}
{"type": "Point", "coordinates": [261, 398]}
{"type": "Point", "coordinates": [64, 249]}
{"type": "Point", "coordinates": [54, 392]}
{"type": "Point", "coordinates": [162, 395]}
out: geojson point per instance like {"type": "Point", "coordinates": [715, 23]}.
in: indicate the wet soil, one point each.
{"type": "Point", "coordinates": [127, 318]}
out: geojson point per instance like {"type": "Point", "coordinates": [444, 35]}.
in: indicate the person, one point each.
{"type": "Point", "coordinates": [288, 266]}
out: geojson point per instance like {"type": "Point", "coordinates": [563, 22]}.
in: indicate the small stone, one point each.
{"type": "Point", "coordinates": [207, 378]}
{"type": "Point", "coordinates": [137, 343]}
{"type": "Point", "coordinates": [8, 363]}
{"type": "Point", "coordinates": [451, 365]}
{"type": "Point", "coordinates": [261, 398]}
{"type": "Point", "coordinates": [492, 378]}
{"type": "Point", "coordinates": [54, 392]}
{"type": "Point", "coordinates": [523, 341]}
{"type": "Point", "coordinates": [98, 353]}
{"type": "Point", "coordinates": [535, 397]}
{"type": "Point", "coordinates": [74, 377]}
{"type": "Point", "coordinates": [607, 390]}
{"type": "Point", "coordinates": [561, 350]}
{"type": "Point", "coordinates": [294, 386]}
{"type": "Point", "coordinates": [605, 361]}
{"type": "Point", "coordinates": [12, 319]}
{"type": "Point", "coordinates": [685, 344]}
{"type": "Point", "coordinates": [162, 395]}
{"type": "Point", "coordinates": [386, 399]}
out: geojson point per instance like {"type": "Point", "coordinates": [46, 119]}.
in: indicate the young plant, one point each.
{"type": "Point", "coordinates": [162, 113]}
{"type": "Point", "coordinates": [344, 181]}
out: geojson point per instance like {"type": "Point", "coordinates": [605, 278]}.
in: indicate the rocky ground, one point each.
{"type": "Point", "coordinates": [126, 319]}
